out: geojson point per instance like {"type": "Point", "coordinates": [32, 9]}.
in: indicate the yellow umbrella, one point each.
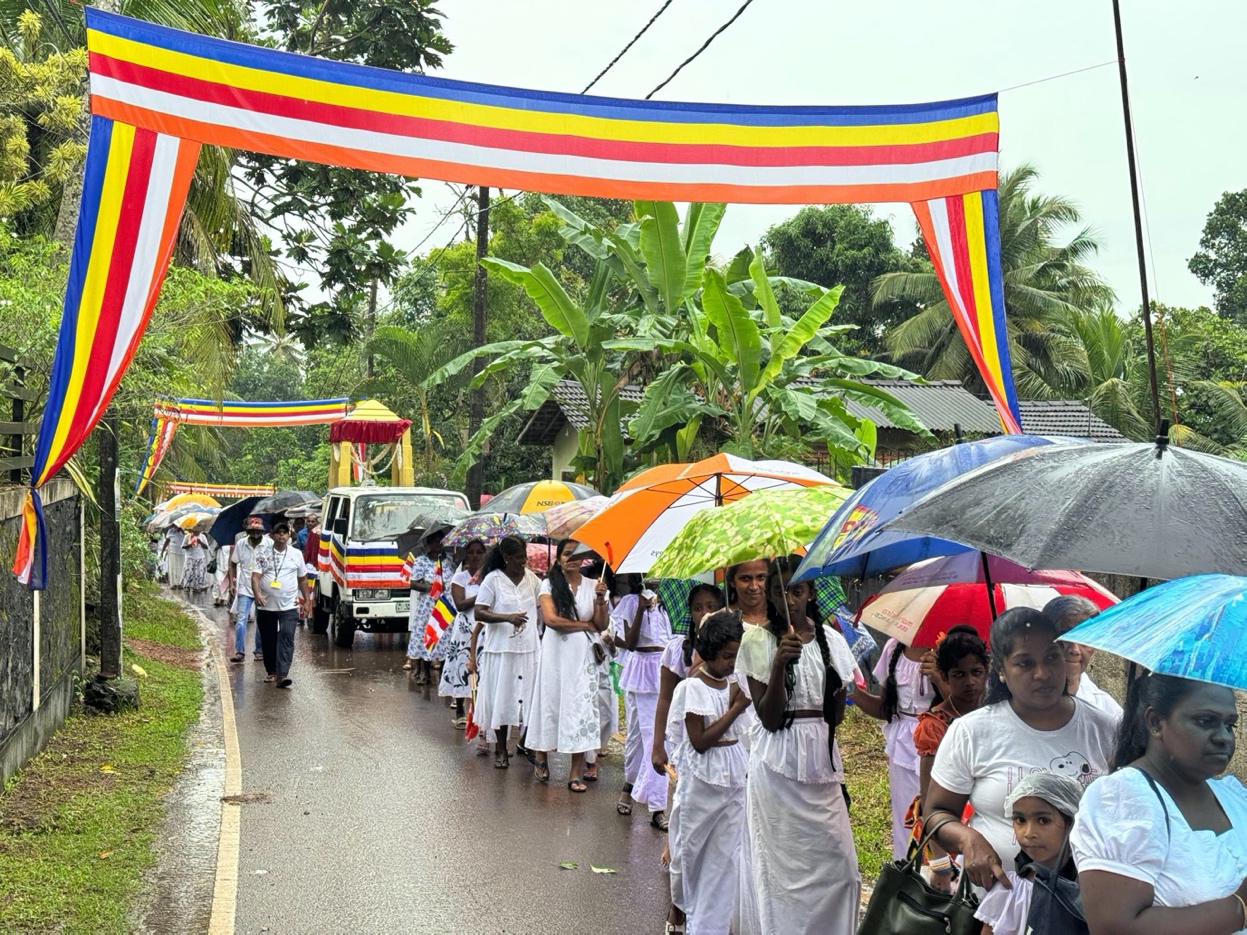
{"type": "Point", "coordinates": [538, 496]}
{"type": "Point", "coordinates": [201, 498]}
{"type": "Point", "coordinates": [191, 520]}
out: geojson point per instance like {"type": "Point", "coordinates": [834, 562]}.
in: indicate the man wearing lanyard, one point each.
{"type": "Point", "coordinates": [281, 591]}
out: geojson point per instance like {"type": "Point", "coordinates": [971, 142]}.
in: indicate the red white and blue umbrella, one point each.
{"type": "Point", "coordinates": [929, 598]}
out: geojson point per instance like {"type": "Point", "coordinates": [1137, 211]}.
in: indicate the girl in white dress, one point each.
{"type": "Point", "coordinates": [706, 844]}
{"type": "Point", "coordinates": [506, 605]}
{"type": "Point", "coordinates": [804, 864]}
{"type": "Point", "coordinates": [906, 694]}
{"type": "Point", "coordinates": [463, 590]}
{"type": "Point", "coordinates": [646, 631]}
{"type": "Point", "coordinates": [565, 714]}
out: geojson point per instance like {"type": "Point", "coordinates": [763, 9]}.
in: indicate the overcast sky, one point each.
{"type": "Point", "coordinates": [1188, 83]}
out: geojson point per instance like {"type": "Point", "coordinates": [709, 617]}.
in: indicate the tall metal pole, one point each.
{"type": "Point", "coordinates": [1138, 218]}
{"type": "Point", "coordinates": [480, 311]}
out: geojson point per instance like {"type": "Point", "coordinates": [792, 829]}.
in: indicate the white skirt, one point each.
{"type": "Point", "coordinates": [706, 846]}
{"type": "Point", "coordinates": [505, 694]}
{"type": "Point", "coordinates": [565, 713]}
{"type": "Point", "coordinates": [805, 874]}
{"type": "Point", "coordinates": [650, 788]}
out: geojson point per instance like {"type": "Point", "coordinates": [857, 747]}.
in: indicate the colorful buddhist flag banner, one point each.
{"type": "Point", "coordinates": [158, 93]}
{"type": "Point", "coordinates": [226, 491]}
{"type": "Point", "coordinates": [962, 233]}
{"type": "Point", "coordinates": [168, 414]}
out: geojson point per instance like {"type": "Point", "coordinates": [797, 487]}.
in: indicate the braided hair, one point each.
{"type": "Point", "coordinates": [777, 623]}
{"type": "Point", "coordinates": [690, 638]}
{"type": "Point", "coordinates": [560, 590]}
{"type": "Point", "coordinates": [891, 691]}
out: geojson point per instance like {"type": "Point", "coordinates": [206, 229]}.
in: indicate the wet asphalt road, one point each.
{"type": "Point", "coordinates": [380, 817]}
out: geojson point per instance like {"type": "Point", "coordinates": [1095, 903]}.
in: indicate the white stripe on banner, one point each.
{"type": "Point", "coordinates": [944, 242]}
{"type": "Point", "coordinates": [544, 163]}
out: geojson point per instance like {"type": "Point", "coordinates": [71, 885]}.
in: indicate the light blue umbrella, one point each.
{"type": "Point", "coordinates": [1194, 627]}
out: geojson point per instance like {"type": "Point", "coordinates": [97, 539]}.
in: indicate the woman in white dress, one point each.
{"type": "Point", "coordinates": [804, 865]}
{"type": "Point", "coordinates": [1161, 842]}
{"type": "Point", "coordinates": [506, 605]}
{"type": "Point", "coordinates": [464, 586]}
{"type": "Point", "coordinates": [644, 630]}
{"type": "Point", "coordinates": [565, 703]}
{"type": "Point", "coordinates": [706, 843]}
{"type": "Point", "coordinates": [195, 576]}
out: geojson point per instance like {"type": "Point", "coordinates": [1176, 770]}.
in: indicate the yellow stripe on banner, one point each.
{"type": "Point", "coordinates": [509, 118]}
{"type": "Point", "coordinates": [977, 246]}
{"type": "Point", "coordinates": [100, 262]}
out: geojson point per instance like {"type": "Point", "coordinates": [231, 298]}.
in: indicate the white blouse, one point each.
{"type": "Point", "coordinates": [503, 596]}
{"type": "Point", "coordinates": [1120, 828]}
{"type": "Point", "coordinates": [725, 766]}
{"type": "Point", "coordinates": [800, 752]}
{"type": "Point", "coordinates": [463, 578]}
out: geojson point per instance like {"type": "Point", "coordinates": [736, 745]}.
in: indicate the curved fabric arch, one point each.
{"type": "Point", "coordinates": [157, 94]}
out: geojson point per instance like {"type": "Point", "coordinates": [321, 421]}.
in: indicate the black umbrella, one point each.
{"type": "Point", "coordinates": [285, 500]}
{"type": "Point", "coordinates": [1152, 510]}
{"type": "Point", "coordinates": [229, 521]}
{"type": "Point", "coordinates": [442, 517]}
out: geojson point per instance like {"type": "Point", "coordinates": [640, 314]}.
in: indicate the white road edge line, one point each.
{"type": "Point", "coordinates": [225, 890]}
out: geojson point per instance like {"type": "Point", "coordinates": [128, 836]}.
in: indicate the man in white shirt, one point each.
{"type": "Point", "coordinates": [281, 594]}
{"type": "Point", "coordinates": [1068, 611]}
{"type": "Point", "coordinates": [240, 570]}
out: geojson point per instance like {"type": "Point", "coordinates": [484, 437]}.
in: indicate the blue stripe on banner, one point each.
{"type": "Point", "coordinates": [98, 145]}
{"type": "Point", "coordinates": [379, 79]}
{"type": "Point", "coordinates": [995, 278]}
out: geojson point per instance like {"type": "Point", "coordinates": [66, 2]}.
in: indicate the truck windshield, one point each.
{"type": "Point", "coordinates": [385, 516]}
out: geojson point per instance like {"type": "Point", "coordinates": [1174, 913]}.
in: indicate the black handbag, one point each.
{"type": "Point", "coordinates": [903, 903]}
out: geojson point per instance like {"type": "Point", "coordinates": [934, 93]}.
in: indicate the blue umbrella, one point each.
{"type": "Point", "coordinates": [1192, 627]}
{"type": "Point", "coordinates": [229, 521]}
{"type": "Point", "coordinates": [850, 544]}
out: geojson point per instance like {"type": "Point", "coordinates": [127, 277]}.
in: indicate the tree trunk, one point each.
{"type": "Point", "coordinates": [480, 312]}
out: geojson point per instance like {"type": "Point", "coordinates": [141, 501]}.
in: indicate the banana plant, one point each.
{"type": "Point", "coordinates": [767, 384]}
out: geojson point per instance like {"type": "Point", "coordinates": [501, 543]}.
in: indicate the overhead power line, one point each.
{"type": "Point", "coordinates": [631, 42]}
{"type": "Point", "coordinates": [705, 45]}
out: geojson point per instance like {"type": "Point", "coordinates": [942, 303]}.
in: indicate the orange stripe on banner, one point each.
{"type": "Point", "coordinates": [235, 138]}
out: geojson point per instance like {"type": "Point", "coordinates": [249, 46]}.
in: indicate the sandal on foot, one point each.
{"type": "Point", "coordinates": [659, 820]}
{"type": "Point", "coordinates": [541, 772]}
{"type": "Point", "coordinates": [623, 807]}
{"type": "Point", "coordinates": [409, 666]}
{"type": "Point", "coordinates": [590, 773]}
{"type": "Point", "coordinates": [238, 657]}
{"type": "Point", "coordinates": [502, 761]}
{"type": "Point", "coordinates": [577, 785]}
{"type": "Point", "coordinates": [270, 678]}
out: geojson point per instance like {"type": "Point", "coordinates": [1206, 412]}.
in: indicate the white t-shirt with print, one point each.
{"type": "Point", "coordinates": [987, 752]}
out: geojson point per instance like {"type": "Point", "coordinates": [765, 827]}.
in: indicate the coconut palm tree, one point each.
{"type": "Point", "coordinates": [1116, 383]}
{"type": "Point", "coordinates": [1045, 280]}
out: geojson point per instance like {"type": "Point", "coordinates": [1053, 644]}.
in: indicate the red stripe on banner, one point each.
{"type": "Point", "coordinates": [961, 263]}
{"type": "Point", "coordinates": [187, 159]}
{"type": "Point", "coordinates": [355, 118]}
{"type": "Point", "coordinates": [133, 199]}
{"type": "Point", "coordinates": [220, 135]}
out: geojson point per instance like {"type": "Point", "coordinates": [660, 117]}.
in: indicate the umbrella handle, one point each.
{"type": "Point", "coordinates": [991, 589]}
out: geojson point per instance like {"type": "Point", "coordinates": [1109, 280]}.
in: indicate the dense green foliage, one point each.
{"type": "Point", "coordinates": [1221, 261]}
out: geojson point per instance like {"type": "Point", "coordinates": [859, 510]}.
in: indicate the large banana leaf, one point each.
{"type": "Point", "coordinates": [790, 342]}
{"type": "Point", "coordinates": [738, 333]}
{"type": "Point", "coordinates": [666, 266]}
{"type": "Point", "coordinates": [701, 223]}
{"type": "Point", "coordinates": [564, 315]}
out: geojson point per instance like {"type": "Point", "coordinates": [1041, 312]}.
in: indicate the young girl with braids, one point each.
{"type": "Point", "coordinates": [804, 871]}
{"type": "Point", "coordinates": [678, 660]}
{"type": "Point", "coordinates": [907, 692]}
{"type": "Point", "coordinates": [706, 842]}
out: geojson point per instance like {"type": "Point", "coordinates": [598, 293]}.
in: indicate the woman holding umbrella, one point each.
{"type": "Point", "coordinates": [463, 590]}
{"type": "Point", "coordinates": [1161, 843]}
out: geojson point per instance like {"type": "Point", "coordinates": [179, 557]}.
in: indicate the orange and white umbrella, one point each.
{"type": "Point", "coordinates": [638, 524]}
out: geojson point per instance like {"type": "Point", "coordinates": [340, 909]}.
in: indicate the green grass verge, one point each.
{"type": "Point", "coordinates": [77, 825]}
{"type": "Point", "coordinates": [866, 775]}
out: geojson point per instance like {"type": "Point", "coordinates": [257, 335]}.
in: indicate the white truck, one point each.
{"type": "Point", "coordinates": [360, 583]}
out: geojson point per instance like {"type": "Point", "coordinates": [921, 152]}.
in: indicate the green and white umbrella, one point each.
{"type": "Point", "coordinates": [763, 524]}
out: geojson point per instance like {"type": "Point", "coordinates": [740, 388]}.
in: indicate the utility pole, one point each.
{"type": "Point", "coordinates": [480, 312]}
{"type": "Point", "coordinates": [1138, 218]}
{"type": "Point", "coordinates": [372, 321]}
{"type": "Point", "coordinates": [110, 550]}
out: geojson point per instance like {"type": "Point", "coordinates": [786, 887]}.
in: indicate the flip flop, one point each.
{"type": "Point", "coordinates": [624, 808]}
{"type": "Point", "coordinates": [270, 678]}
{"type": "Point", "coordinates": [591, 773]}
{"type": "Point", "coordinates": [659, 820]}
{"type": "Point", "coordinates": [502, 762]}
{"type": "Point", "coordinates": [577, 785]}
{"type": "Point", "coordinates": [541, 772]}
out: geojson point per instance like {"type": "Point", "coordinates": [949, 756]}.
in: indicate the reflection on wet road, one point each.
{"type": "Point", "coordinates": [381, 818]}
